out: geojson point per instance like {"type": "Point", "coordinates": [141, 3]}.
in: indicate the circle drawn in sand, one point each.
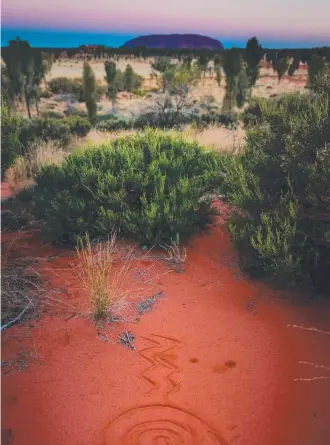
{"type": "Point", "coordinates": [160, 425]}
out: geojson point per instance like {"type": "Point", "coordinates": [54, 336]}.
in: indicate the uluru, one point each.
{"type": "Point", "coordinates": [175, 41]}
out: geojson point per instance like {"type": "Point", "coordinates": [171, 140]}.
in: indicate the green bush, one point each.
{"type": "Point", "coordinates": [52, 114]}
{"type": "Point", "coordinates": [64, 85]}
{"type": "Point", "coordinates": [46, 94]}
{"type": "Point", "coordinates": [73, 111]}
{"type": "Point", "coordinates": [54, 129]}
{"type": "Point", "coordinates": [11, 147]}
{"type": "Point", "coordinates": [112, 125]}
{"type": "Point", "coordinates": [281, 184]}
{"type": "Point", "coordinates": [49, 128]}
{"type": "Point", "coordinates": [152, 187]}
{"type": "Point", "coordinates": [79, 126]}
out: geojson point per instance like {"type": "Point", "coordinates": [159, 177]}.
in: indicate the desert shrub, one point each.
{"type": "Point", "coordinates": [252, 113]}
{"type": "Point", "coordinates": [139, 92]}
{"type": "Point", "coordinates": [53, 129]}
{"type": "Point", "coordinates": [17, 174]}
{"type": "Point", "coordinates": [281, 184]}
{"type": "Point", "coordinates": [11, 146]}
{"type": "Point", "coordinates": [79, 126]}
{"type": "Point", "coordinates": [101, 91]}
{"type": "Point", "coordinates": [60, 130]}
{"type": "Point", "coordinates": [65, 85]}
{"type": "Point", "coordinates": [152, 186]}
{"type": "Point", "coordinates": [38, 153]}
{"type": "Point", "coordinates": [52, 114]}
{"type": "Point", "coordinates": [73, 111]}
{"type": "Point", "coordinates": [113, 125]}
{"type": "Point", "coordinates": [46, 94]}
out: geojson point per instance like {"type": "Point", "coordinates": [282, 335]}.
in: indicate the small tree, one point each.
{"type": "Point", "coordinates": [162, 64]}
{"type": "Point", "coordinates": [294, 65]}
{"type": "Point", "coordinates": [129, 79]}
{"type": "Point", "coordinates": [110, 77]}
{"type": "Point", "coordinates": [172, 105]}
{"type": "Point", "coordinates": [24, 72]}
{"type": "Point", "coordinates": [253, 54]}
{"type": "Point", "coordinates": [203, 62]}
{"type": "Point", "coordinates": [218, 75]}
{"type": "Point", "coordinates": [316, 65]}
{"type": "Point", "coordinates": [89, 87]}
{"type": "Point", "coordinates": [243, 86]}
{"type": "Point", "coordinates": [232, 68]}
{"type": "Point", "coordinates": [281, 66]}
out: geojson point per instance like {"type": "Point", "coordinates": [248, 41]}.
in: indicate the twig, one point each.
{"type": "Point", "coordinates": [15, 320]}
{"type": "Point", "coordinates": [129, 340]}
{"type": "Point", "coordinates": [311, 379]}
{"type": "Point", "coordinates": [308, 329]}
{"type": "Point", "coordinates": [315, 365]}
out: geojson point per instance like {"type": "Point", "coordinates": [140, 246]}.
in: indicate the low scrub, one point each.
{"type": "Point", "coordinates": [38, 154]}
{"type": "Point", "coordinates": [60, 130]}
{"type": "Point", "coordinates": [11, 147]}
{"type": "Point", "coordinates": [151, 186]}
{"type": "Point", "coordinates": [281, 184]}
{"type": "Point", "coordinates": [65, 85]}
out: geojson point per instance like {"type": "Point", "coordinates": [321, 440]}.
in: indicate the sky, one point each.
{"type": "Point", "coordinates": [277, 23]}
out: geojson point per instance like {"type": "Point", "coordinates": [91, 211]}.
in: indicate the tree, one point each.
{"type": "Point", "coordinates": [316, 65]}
{"type": "Point", "coordinates": [162, 64]}
{"type": "Point", "coordinates": [269, 60]}
{"type": "Point", "coordinates": [232, 67]}
{"type": "Point", "coordinates": [129, 79]}
{"type": "Point", "coordinates": [252, 55]}
{"type": "Point", "coordinates": [243, 86]}
{"type": "Point", "coordinates": [110, 77]}
{"type": "Point", "coordinates": [218, 74]}
{"type": "Point", "coordinates": [294, 64]}
{"type": "Point", "coordinates": [172, 105]}
{"type": "Point", "coordinates": [89, 87]}
{"type": "Point", "coordinates": [281, 66]}
{"type": "Point", "coordinates": [203, 62]}
{"type": "Point", "coordinates": [24, 71]}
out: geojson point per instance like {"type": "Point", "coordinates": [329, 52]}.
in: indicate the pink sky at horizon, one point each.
{"type": "Point", "coordinates": [281, 18]}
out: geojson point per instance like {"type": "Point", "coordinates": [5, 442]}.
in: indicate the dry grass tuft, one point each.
{"type": "Point", "coordinates": [175, 253]}
{"type": "Point", "coordinates": [39, 153]}
{"type": "Point", "coordinates": [103, 273]}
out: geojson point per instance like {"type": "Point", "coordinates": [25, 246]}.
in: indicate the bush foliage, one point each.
{"type": "Point", "coordinates": [152, 187]}
{"type": "Point", "coordinates": [11, 147]}
{"type": "Point", "coordinates": [53, 129]}
{"type": "Point", "coordinates": [281, 184]}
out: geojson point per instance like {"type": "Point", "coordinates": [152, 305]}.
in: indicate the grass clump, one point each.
{"type": "Point", "coordinates": [281, 184]}
{"type": "Point", "coordinates": [103, 276]}
{"type": "Point", "coordinates": [152, 186]}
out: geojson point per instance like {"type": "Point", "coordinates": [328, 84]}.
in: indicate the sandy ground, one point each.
{"type": "Point", "coordinates": [215, 361]}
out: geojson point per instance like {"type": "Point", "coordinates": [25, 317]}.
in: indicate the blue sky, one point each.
{"type": "Point", "coordinates": [280, 23]}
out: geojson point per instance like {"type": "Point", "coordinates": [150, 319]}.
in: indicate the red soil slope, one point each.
{"type": "Point", "coordinates": [214, 364]}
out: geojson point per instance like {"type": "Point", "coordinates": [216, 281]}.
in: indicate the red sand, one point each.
{"type": "Point", "coordinates": [215, 363]}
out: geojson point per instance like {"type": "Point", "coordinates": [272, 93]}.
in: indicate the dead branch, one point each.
{"type": "Point", "coordinates": [16, 319]}
{"type": "Point", "coordinates": [308, 329]}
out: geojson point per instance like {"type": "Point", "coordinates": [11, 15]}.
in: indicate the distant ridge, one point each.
{"type": "Point", "coordinates": [174, 41]}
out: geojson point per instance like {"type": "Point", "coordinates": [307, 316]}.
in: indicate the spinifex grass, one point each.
{"type": "Point", "coordinates": [103, 273]}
